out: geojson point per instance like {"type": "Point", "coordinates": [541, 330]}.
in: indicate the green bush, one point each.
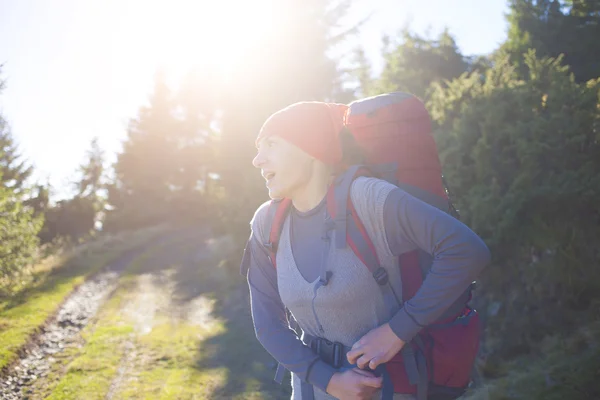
{"type": "Point", "coordinates": [18, 238]}
{"type": "Point", "coordinates": [522, 158]}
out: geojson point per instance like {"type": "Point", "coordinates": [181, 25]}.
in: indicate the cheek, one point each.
{"type": "Point", "coordinates": [296, 164]}
{"type": "Point", "coordinates": [292, 166]}
{"type": "Point", "coordinates": [298, 172]}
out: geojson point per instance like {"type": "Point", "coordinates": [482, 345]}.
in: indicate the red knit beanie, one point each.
{"type": "Point", "coordinates": [312, 126]}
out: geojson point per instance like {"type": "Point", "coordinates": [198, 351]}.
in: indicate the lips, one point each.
{"type": "Point", "coordinates": [268, 175]}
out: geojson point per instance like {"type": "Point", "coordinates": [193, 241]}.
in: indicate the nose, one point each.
{"type": "Point", "coordinates": [259, 160]}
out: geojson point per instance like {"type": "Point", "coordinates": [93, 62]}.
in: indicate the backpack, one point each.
{"type": "Point", "coordinates": [394, 132]}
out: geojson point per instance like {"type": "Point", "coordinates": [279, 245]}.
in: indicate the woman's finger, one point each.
{"type": "Point", "coordinates": [374, 363]}
{"type": "Point", "coordinates": [375, 382]}
{"type": "Point", "coordinates": [364, 372]}
{"type": "Point", "coordinates": [362, 362]}
{"type": "Point", "coordinates": [353, 354]}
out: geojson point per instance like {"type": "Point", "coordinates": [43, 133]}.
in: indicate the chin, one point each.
{"type": "Point", "coordinates": [276, 194]}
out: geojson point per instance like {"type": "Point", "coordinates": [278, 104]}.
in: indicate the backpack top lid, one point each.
{"type": "Point", "coordinates": [395, 129]}
{"type": "Point", "coordinates": [394, 107]}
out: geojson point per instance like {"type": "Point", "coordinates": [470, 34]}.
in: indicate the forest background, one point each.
{"type": "Point", "coordinates": [517, 130]}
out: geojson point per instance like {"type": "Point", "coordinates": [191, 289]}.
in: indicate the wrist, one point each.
{"type": "Point", "coordinates": [404, 326]}
{"type": "Point", "coordinates": [333, 383]}
{"type": "Point", "coordinates": [320, 374]}
{"type": "Point", "coordinates": [397, 339]}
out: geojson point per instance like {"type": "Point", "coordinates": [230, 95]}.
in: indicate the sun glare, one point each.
{"type": "Point", "coordinates": [180, 34]}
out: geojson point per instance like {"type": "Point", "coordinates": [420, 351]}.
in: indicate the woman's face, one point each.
{"type": "Point", "coordinates": [286, 168]}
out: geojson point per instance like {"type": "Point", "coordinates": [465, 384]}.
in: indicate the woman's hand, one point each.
{"type": "Point", "coordinates": [377, 347]}
{"type": "Point", "coordinates": [354, 384]}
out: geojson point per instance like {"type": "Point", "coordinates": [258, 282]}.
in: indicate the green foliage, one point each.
{"type": "Point", "coordinates": [566, 368]}
{"type": "Point", "coordinates": [18, 240]}
{"type": "Point", "coordinates": [73, 218]}
{"type": "Point", "coordinates": [517, 131]}
{"type": "Point", "coordinates": [14, 171]}
{"type": "Point", "coordinates": [144, 167]}
{"type": "Point", "coordinates": [522, 158]}
{"type": "Point", "coordinates": [162, 171]}
{"type": "Point", "coordinates": [361, 73]}
{"type": "Point", "coordinates": [18, 227]}
{"type": "Point", "coordinates": [291, 65]}
{"type": "Point", "coordinates": [39, 199]}
{"type": "Point", "coordinates": [91, 172]}
{"type": "Point", "coordinates": [414, 63]}
{"type": "Point", "coordinates": [552, 28]}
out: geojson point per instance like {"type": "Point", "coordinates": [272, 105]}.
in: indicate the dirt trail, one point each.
{"type": "Point", "coordinates": [64, 330]}
{"type": "Point", "coordinates": [169, 291]}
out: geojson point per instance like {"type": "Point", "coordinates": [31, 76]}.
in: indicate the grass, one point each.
{"type": "Point", "coordinates": [26, 311]}
{"type": "Point", "coordinates": [568, 367]}
{"type": "Point", "coordinates": [89, 375]}
{"type": "Point", "coordinates": [179, 356]}
{"type": "Point", "coordinates": [164, 367]}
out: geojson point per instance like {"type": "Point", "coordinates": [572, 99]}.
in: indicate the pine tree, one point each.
{"type": "Point", "coordinates": [414, 63]}
{"type": "Point", "coordinates": [291, 65]}
{"type": "Point", "coordinates": [194, 140]}
{"type": "Point", "coordinates": [161, 174]}
{"type": "Point", "coordinates": [522, 157]}
{"type": "Point", "coordinates": [91, 172]}
{"type": "Point", "coordinates": [18, 238]}
{"type": "Point", "coordinates": [554, 28]}
{"type": "Point", "coordinates": [14, 170]}
{"type": "Point", "coordinates": [18, 227]}
{"type": "Point", "coordinates": [141, 190]}
{"type": "Point", "coordinates": [362, 73]}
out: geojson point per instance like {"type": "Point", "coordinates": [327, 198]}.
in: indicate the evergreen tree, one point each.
{"type": "Point", "coordinates": [143, 170]}
{"type": "Point", "coordinates": [522, 158]}
{"type": "Point", "coordinates": [292, 64]}
{"type": "Point", "coordinates": [194, 141]}
{"type": "Point", "coordinates": [18, 240]}
{"type": "Point", "coordinates": [39, 201]}
{"type": "Point", "coordinates": [91, 172]}
{"type": "Point", "coordinates": [553, 28]}
{"type": "Point", "coordinates": [362, 73]}
{"type": "Point", "coordinates": [70, 218]}
{"type": "Point", "coordinates": [161, 174]}
{"type": "Point", "coordinates": [14, 171]}
{"type": "Point", "coordinates": [18, 227]}
{"type": "Point", "coordinates": [414, 63]}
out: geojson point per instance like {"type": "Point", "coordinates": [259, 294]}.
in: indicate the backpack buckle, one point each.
{"type": "Point", "coordinates": [381, 276]}
{"type": "Point", "coordinates": [330, 352]}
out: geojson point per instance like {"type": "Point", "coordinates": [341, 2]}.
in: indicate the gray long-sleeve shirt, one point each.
{"type": "Point", "coordinates": [458, 257]}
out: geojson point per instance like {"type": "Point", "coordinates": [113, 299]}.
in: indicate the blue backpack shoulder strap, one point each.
{"type": "Point", "coordinates": [273, 225]}
{"type": "Point", "coordinates": [349, 230]}
{"type": "Point", "coordinates": [341, 188]}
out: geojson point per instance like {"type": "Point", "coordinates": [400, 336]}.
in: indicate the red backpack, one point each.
{"type": "Point", "coordinates": [394, 131]}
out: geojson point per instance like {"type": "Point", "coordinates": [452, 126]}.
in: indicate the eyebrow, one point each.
{"type": "Point", "coordinates": [264, 140]}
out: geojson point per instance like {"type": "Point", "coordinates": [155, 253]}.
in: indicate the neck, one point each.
{"type": "Point", "coordinates": [311, 195]}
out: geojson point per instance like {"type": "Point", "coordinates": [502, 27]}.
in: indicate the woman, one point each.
{"type": "Point", "coordinates": [299, 153]}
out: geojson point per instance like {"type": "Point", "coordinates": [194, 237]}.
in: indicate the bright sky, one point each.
{"type": "Point", "coordinates": [76, 69]}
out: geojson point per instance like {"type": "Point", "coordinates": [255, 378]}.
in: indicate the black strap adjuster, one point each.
{"type": "Point", "coordinates": [381, 276]}
{"type": "Point", "coordinates": [330, 352]}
